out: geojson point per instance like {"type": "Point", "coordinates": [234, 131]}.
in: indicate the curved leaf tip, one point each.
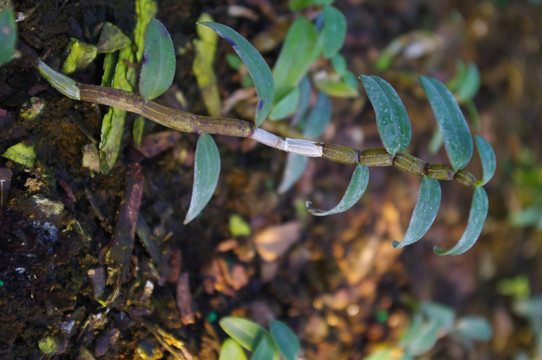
{"type": "Point", "coordinates": [488, 159]}
{"type": "Point", "coordinates": [477, 217]}
{"type": "Point", "coordinates": [257, 67]}
{"type": "Point", "coordinates": [354, 192]}
{"type": "Point", "coordinates": [424, 212]}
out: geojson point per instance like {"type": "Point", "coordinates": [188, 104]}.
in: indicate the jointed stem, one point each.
{"type": "Point", "coordinates": [191, 123]}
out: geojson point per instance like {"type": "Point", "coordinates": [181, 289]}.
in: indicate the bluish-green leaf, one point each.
{"type": "Point", "coordinates": [477, 217]}
{"type": "Point", "coordinates": [296, 5]}
{"type": "Point", "coordinates": [231, 350]}
{"type": "Point", "coordinates": [8, 35]}
{"type": "Point", "coordinates": [296, 56]}
{"type": "Point", "coordinates": [319, 117]}
{"type": "Point", "coordinates": [266, 350]}
{"type": "Point", "coordinates": [256, 66]}
{"type": "Point", "coordinates": [443, 315]}
{"type": "Point", "coordinates": [334, 30]}
{"type": "Point", "coordinates": [391, 116]}
{"type": "Point", "coordinates": [424, 212]}
{"type": "Point", "coordinates": [206, 171]}
{"type": "Point", "coordinates": [286, 106]}
{"type": "Point", "coordinates": [354, 192]}
{"type": "Point", "coordinates": [286, 340]}
{"type": "Point", "coordinates": [474, 328]}
{"type": "Point", "coordinates": [244, 331]}
{"type": "Point", "coordinates": [452, 123]}
{"type": "Point", "coordinates": [304, 100]}
{"type": "Point", "coordinates": [294, 168]}
{"type": "Point", "coordinates": [487, 157]}
{"type": "Point", "coordinates": [158, 67]}
{"type": "Point", "coordinates": [424, 339]}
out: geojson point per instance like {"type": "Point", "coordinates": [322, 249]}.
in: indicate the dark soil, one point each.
{"type": "Point", "coordinates": [341, 287]}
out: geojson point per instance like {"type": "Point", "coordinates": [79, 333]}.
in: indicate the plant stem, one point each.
{"type": "Point", "coordinates": [191, 123]}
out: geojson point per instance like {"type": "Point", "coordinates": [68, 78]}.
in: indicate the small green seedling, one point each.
{"type": "Point", "coordinates": [279, 341]}
{"type": "Point", "coordinates": [392, 120]}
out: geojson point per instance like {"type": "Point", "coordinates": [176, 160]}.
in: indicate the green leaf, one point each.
{"type": "Point", "coordinates": [424, 339]}
{"type": "Point", "coordinates": [474, 328]}
{"type": "Point", "coordinates": [354, 192]}
{"type": "Point", "coordinates": [265, 350]}
{"type": "Point", "coordinates": [256, 65]}
{"type": "Point", "coordinates": [244, 331]}
{"type": "Point", "coordinates": [80, 55]}
{"type": "Point", "coordinates": [158, 67]}
{"type": "Point", "coordinates": [202, 65]}
{"type": "Point", "coordinates": [295, 58]}
{"type": "Point", "coordinates": [206, 171]}
{"type": "Point", "coordinates": [424, 212]}
{"type": "Point", "coordinates": [334, 30]}
{"type": "Point", "coordinates": [391, 116]}
{"type": "Point", "coordinates": [112, 39]}
{"type": "Point", "coordinates": [8, 35]}
{"type": "Point", "coordinates": [336, 88]}
{"type": "Point", "coordinates": [469, 84]}
{"type": "Point", "coordinates": [477, 217]}
{"type": "Point", "coordinates": [22, 154]}
{"type": "Point", "coordinates": [488, 158]}
{"type": "Point", "coordinates": [231, 350]}
{"type": "Point", "coordinates": [452, 124]}
{"type": "Point", "coordinates": [296, 5]}
{"type": "Point", "coordinates": [286, 339]}
{"type": "Point", "coordinates": [295, 166]}
{"type": "Point", "coordinates": [286, 106]}
{"type": "Point", "coordinates": [339, 64]}
{"type": "Point", "coordinates": [119, 76]}
{"type": "Point", "coordinates": [319, 118]}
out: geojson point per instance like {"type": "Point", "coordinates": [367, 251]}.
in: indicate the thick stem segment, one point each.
{"type": "Point", "coordinates": [191, 123]}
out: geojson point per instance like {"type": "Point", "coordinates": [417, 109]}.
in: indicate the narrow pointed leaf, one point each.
{"type": "Point", "coordinates": [318, 118]}
{"type": "Point", "coordinates": [296, 56]}
{"type": "Point", "coordinates": [286, 340]}
{"type": "Point", "coordinates": [158, 67]}
{"type": "Point", "coordinates": [334, 30]}
{"type": "Point", "coordinates": [354, 192]}
{"type": "Point", "coordinates": [424, 213]}
{"type": "Point", "coordinates": [295, 166]}
{"type": "Point", "coordinates": [477, 217]}
{"type": "Point", "coordinates": [244, 331]}
{"type": "Point", "coordinates": [206, 171]}
{"type": "Point", "coordinates": [391, 115]}
{"type": "Point", "coordinates": [487, 156]}
{"type": "Point", "coordinates": [452, 123]}
{"type": "Point", "coordinates": [231, 350]}
{"type": "Point", "coordinates": [470, 84]}
{"type": "Point", "coordinates": [266, 350]}
{"type": "Point", "coordinates": [257, 68]}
